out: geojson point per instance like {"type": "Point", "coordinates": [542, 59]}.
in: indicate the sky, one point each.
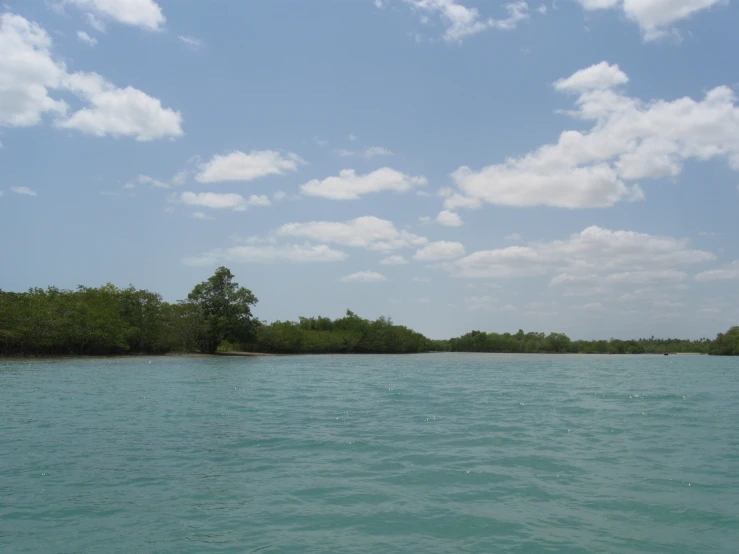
{"type": "Point", "coordinates": [566, 166]}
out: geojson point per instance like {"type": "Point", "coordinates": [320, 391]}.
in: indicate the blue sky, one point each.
{"type": "Point", "coordinates": [455, 164]}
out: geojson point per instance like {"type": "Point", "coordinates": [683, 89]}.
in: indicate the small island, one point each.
{"type": "Point", "coordinates": [216, 318]}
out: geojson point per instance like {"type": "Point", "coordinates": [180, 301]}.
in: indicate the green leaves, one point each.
{"type": "Point", "coordinates": [221, 310]}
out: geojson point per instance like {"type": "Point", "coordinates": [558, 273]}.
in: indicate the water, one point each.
{"type": "Point", "coordinates": [429, 453]}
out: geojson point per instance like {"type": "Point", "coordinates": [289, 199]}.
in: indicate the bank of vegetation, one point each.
{"type": "Point", "coordinates": [217, 316]}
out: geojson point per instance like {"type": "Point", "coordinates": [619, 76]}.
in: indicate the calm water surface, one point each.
{"type": "Point", "coordinates": [429, 453]}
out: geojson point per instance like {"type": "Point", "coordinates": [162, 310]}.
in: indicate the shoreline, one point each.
{"type": "Point", "coordinates": [239, 354]}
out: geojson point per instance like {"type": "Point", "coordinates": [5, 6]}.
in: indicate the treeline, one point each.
{"type": "Point", "coordinates": [350, 334]}
{"type": "Point", "coordinates": [532, 343]}
{"type": "Point", "coordinates": [217, 316]}
{"type": "Point", "coordinates": [108, 320]}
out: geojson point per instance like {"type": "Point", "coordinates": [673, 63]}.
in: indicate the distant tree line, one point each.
{"type": "Point", "coordinates": [217, 316]}
{"type": "Point", "coordinates": [479, 341]}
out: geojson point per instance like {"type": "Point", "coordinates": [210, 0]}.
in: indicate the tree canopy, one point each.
{"type": "Point", "coordinates": [223, 310]}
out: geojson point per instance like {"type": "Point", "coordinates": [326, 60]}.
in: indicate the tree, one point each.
{"type": "Point", "coordinates": [224, 309]}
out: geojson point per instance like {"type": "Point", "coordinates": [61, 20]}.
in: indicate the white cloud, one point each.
{"type": "Point", "coordinates": [730, 271]}
{"type": "Point", "coordinates": [374, 151]}
{"type": "Point", "coordinates": [542, 9]}
{"type": "Point", "coordinates": [146, 180]}
{"type": "Point", "coordinates": [601, 76]}
{"type": "Point", "coordinates": [87, 39]}
{"type": "Point", "coordinates": [449, 219]}
{"type": "Point", "coordinates": [364, 277]}
{"type": "Point", "coordinates": [259, 200]}
{"type": "Point", "coordinates": [180, 178]}
{"type": "Point", "coordinates": [629, 140]}
{"type": "Point", "coordinates": [654, 16]}
{"type": "Point", "coordinates": [362, 232]}
{"type": "Point", "coordinates": [708, 234]}
{"type": "Point", "coordinates": [215, 200]}
{"type": "Point", "coordinates": [462, 22]}
{"type": "Point", "coordinates": [350, 186]}
{"type": "Point", "coordinates": [368, 153]}
{"type": "Point", "coordinates": [642, 277]}
{"type": "Point", "coordinates": [592, 251]}
{"type": "Point", "coordinates": [441, 250]}
{"type": "Point", "coordinates": [394, 260]}
{"type": "Point", "coordinates": [297, 253]}
{"type": "Point", "coordinates": [201, 215]}
{"type": "Point", "coordinates": [145, 14]}
{"type": "Point", "coordinates": [95, 22]}
{"type": "Point", "coordinates": [27, 72]}
{"type": "Point", "coordinates": [238, 166]}
{"type": "Point", "coordinates": [192, 42]}
{"type": "Point", "coordinates": [118, 111]}
{"type": "Point", "coordinates": [352, 137]}
{"type": "Point", "coordinates": [508, 308]}
{"type": "Point", "coordinates": [230, 201]}
{"type": "Point", "coordinates": [279, 195]}
{"type": "Point", "coordinates": [24, 191]}
{"type": "Point", "coordinates": [513, 236]}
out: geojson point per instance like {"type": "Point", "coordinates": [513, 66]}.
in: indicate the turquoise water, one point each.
{"type": "Point", "coordinates": [428, 453]}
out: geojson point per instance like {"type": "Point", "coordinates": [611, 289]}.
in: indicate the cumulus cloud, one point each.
{"type": "Point", "coordinates": [362, 232]}
{"type": "Point", "coordinates": [629, 140]}
{"type": "Point", "coordinates": [655, 17]}
{"type": "Point", "coordinates": [350, 186]}
{"type": "Point", "coordinates": [441, 250]}
{"type": "Point", "coordinates": [118, 111]}
{"type": "Point", "coordinates": [228, 201]}
{"type": "Point", "coordinates": [238, 166]}
{"type": "Point", "coordinates": [268, 253]}
{"type": "Point", "coordinates": [25, 191]}
{"type": "Point", "coordinates": [636, 256]}
{"type": "Point", "coordinates": [728, 272]}
{"type": "Point", "coordinates": [364, 277]}
{"type": "Point", "coordinates": [449, 219]}
{"type": "Point", "coordinates": [29, 75]}
{"type": "Point", "coordinates": [461, 22]}
{"type": "Point", "coordinates": [394, 260]}
{"type": "Point", "coordinates": [145, 14]}
{"type": "Point", "coordinates": [27, 72]}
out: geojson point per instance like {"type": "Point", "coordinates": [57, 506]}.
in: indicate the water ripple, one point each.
{"type": "Point", "coordinates": [430, 453]}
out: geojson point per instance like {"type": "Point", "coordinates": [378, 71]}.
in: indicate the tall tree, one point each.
{"type": "Point", "coordinates": [225, 309]}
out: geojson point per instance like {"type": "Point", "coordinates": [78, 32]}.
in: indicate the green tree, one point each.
{"type": "Point", "coordinates": [224, 311]}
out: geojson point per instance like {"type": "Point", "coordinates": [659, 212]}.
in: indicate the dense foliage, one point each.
{"type": "Point", "coordinates": [109, 320]}
{"type": "Point", "coordinates": [217, 316]}
{"type": "Point", "coordinates": [349, 334]}
{"type": "Point", "coordinates": [726, 344]}
{"type": "Point", "coordinates": [478, 341]}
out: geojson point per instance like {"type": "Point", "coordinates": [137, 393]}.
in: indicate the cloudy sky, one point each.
{"type": "Point", "coordinates": [455, 164]}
